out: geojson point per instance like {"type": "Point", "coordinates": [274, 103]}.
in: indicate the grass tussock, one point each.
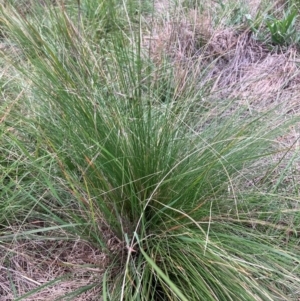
{"type": "Point", "coordinates": [146, 154]}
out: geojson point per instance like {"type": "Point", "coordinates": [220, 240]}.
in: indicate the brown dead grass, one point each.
{"type": "Point", "coordinates": [26, 265]}
{"type": "Point", "coordinates": [245, 69]}
{"type": "Point", "coordinates": [232, 62]}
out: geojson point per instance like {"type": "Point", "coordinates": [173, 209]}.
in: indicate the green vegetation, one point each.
{"type": "Point", "coordinates": [284, 31]}
{"type": "Point", "coordinates": [128, 170]}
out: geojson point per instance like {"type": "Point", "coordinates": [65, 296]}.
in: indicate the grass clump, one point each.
{"type": "Point", "coordinates": [142, 185]}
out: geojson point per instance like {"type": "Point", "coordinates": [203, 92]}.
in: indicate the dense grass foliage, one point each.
{"type": "Point", "coordinates": [175, 187]}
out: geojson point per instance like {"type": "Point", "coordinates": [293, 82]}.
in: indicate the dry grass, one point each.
{"type": "Point", "coordinates": [236, 65]}
{"type": "Point", "coordinates": [248, 70]}
{"type": "Point", "coordinates": [26, 265]}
